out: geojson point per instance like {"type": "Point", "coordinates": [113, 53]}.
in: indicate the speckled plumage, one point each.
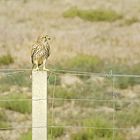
{"type": "Point", "coordinates": [40, 52]}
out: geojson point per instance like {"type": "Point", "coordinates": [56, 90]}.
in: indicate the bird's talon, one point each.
{"type": "Point", "coordinates": [37, 69]}
{"type": "Point", "coordinates": [46, 69]}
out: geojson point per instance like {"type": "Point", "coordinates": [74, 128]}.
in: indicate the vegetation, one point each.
{"type": "Point", "coordinates": [84, 62]}
{"type": "Point", "coordinates": [19, 79]}
{"type": "Point", "coordinates": [129, 115]}
{"type": "Point", "coordinates": [93, 15]}
{"type": "Point", "coordinates": [64, 93]}
{"type": "Point", "coordinates": [110, 33]}
{"type": "Point", "coordinates": [90, 63]}
{"type": "Point", "coordinates": [53, 79]}
{"type": "Point", "coordinates": [26, 136]}
{"type": "Point", "coordinates": [102, 133]}
{"type": "Point", "coordinates": [3, 120]}
{"type": "Point", "coordinates": [95, 64]}
{"type": "Point", "coordinates": [6, 59]}
{"type": "Point", "coordinates": [23, 106]}
{"type": "Point", "coordinates": [125, 82]}
{"type": "Point", "coordinates": [131, 21]}
{"type": "Point", "coordinates": [56, 132]}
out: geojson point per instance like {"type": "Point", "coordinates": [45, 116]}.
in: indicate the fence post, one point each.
{"type": "Point", "coordinates": [39, 105]}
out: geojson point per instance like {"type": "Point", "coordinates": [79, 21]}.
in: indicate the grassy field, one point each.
{"type": "Point", "coordinates": [95, 109]}
{"type": "Point", "coordinates": [87, 35]}
{"type": "Point", "coordinates": [102, 28]}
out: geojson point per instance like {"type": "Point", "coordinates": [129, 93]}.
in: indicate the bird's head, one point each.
{"type": "Point", "coordinates": [43, 38]}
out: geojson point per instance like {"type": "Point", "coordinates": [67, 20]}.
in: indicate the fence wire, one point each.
{"type": "Point", "coordinates": [53, 99]}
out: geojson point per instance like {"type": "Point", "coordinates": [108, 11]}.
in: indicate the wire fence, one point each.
{"type": "Point", "coordinates": [57, 122]}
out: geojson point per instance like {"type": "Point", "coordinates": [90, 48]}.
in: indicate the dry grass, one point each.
{"type": "Point", "coordinates": [70, 36]}
{"type": "Point", "coordinates": [21, 21]}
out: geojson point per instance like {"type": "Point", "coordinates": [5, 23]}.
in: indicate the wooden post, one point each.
{"type": "Point", "coordinates": [39, 105]}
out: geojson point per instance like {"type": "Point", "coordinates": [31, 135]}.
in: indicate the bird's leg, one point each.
{"type": "Point", "coordinates": [44, 65]}
{"type": "Point", "coordinates": [37, 68]}
{"type": "Point", "coordinates": [33, 66]}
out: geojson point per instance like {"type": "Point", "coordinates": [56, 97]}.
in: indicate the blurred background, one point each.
{"type": "Point", "coordinates": [95, 36]}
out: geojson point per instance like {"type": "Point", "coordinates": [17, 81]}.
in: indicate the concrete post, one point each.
{"type": "Point", "coordinates": [39, 105]}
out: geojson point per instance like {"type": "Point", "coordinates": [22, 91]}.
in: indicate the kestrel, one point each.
{"type": "Point", "coordinates": [40, 52]}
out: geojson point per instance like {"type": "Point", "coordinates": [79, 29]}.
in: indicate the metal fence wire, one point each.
{"type": "Point", "coordinates": [97, 103]}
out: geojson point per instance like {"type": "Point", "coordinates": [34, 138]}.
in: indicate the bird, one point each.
{"type": "Point", "coordinates": [40, 52]}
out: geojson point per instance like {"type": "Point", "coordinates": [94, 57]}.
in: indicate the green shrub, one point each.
{"type": "Point", "coordinates": [93, 15]}
{"type": "Point", "coordinates": [64, 93]}
{"type": "Point", "coordinates": [90, 90]}
{"type": "Point", "coordinates": [56, 132]}
{"type": "Point", "coordinates": [4, 125]}
{"type": "Point", "coordinates": [129, 115]}
{"type": "Point", "coordinates": [3, 120]}
{"type": "Point", "coordinates": [72, 12]}
{"type": "Point", "coordinates": [116, 68]}
{"type": "Point", "coordinates": [120, 68]}
{"type": "Point", "coordinates": [91, 133]}
{"type": "Point", "coordinates": [26, 136]}
{"type": "Point", "coordinates": [53, 79]}
{"type": "Point", "coordinates": [84, 62]}
{"type": "Point", "coordinates": [18, 79]}
{"type": "Point", "coordinates": [125, 82]}
{"type": "Point", "coordinates": [89, 63]}
{"type": "Point", "coordinates": [6, 59]}
{"type": "Point", "coordinates": [19, 106]}
{"type": "Point", "coordinates": [100, 132]}
{"type": "Point", "coordinates": [134, 69]}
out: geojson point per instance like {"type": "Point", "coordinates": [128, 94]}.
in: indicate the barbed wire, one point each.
{"type": "Point", "coordinates": [72, 99]}
{"type": "Point", "coordinates": [110, 73]}
{"type": "Point", "coordinates": [68, 126]}
{"type": "Point", "coordinates": [92, 127]}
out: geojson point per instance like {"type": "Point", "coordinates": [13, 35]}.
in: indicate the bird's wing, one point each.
{"type": "Point", "coordinates": [47, 48]}
{"type": "Point", "coordinates": [33, 51]}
